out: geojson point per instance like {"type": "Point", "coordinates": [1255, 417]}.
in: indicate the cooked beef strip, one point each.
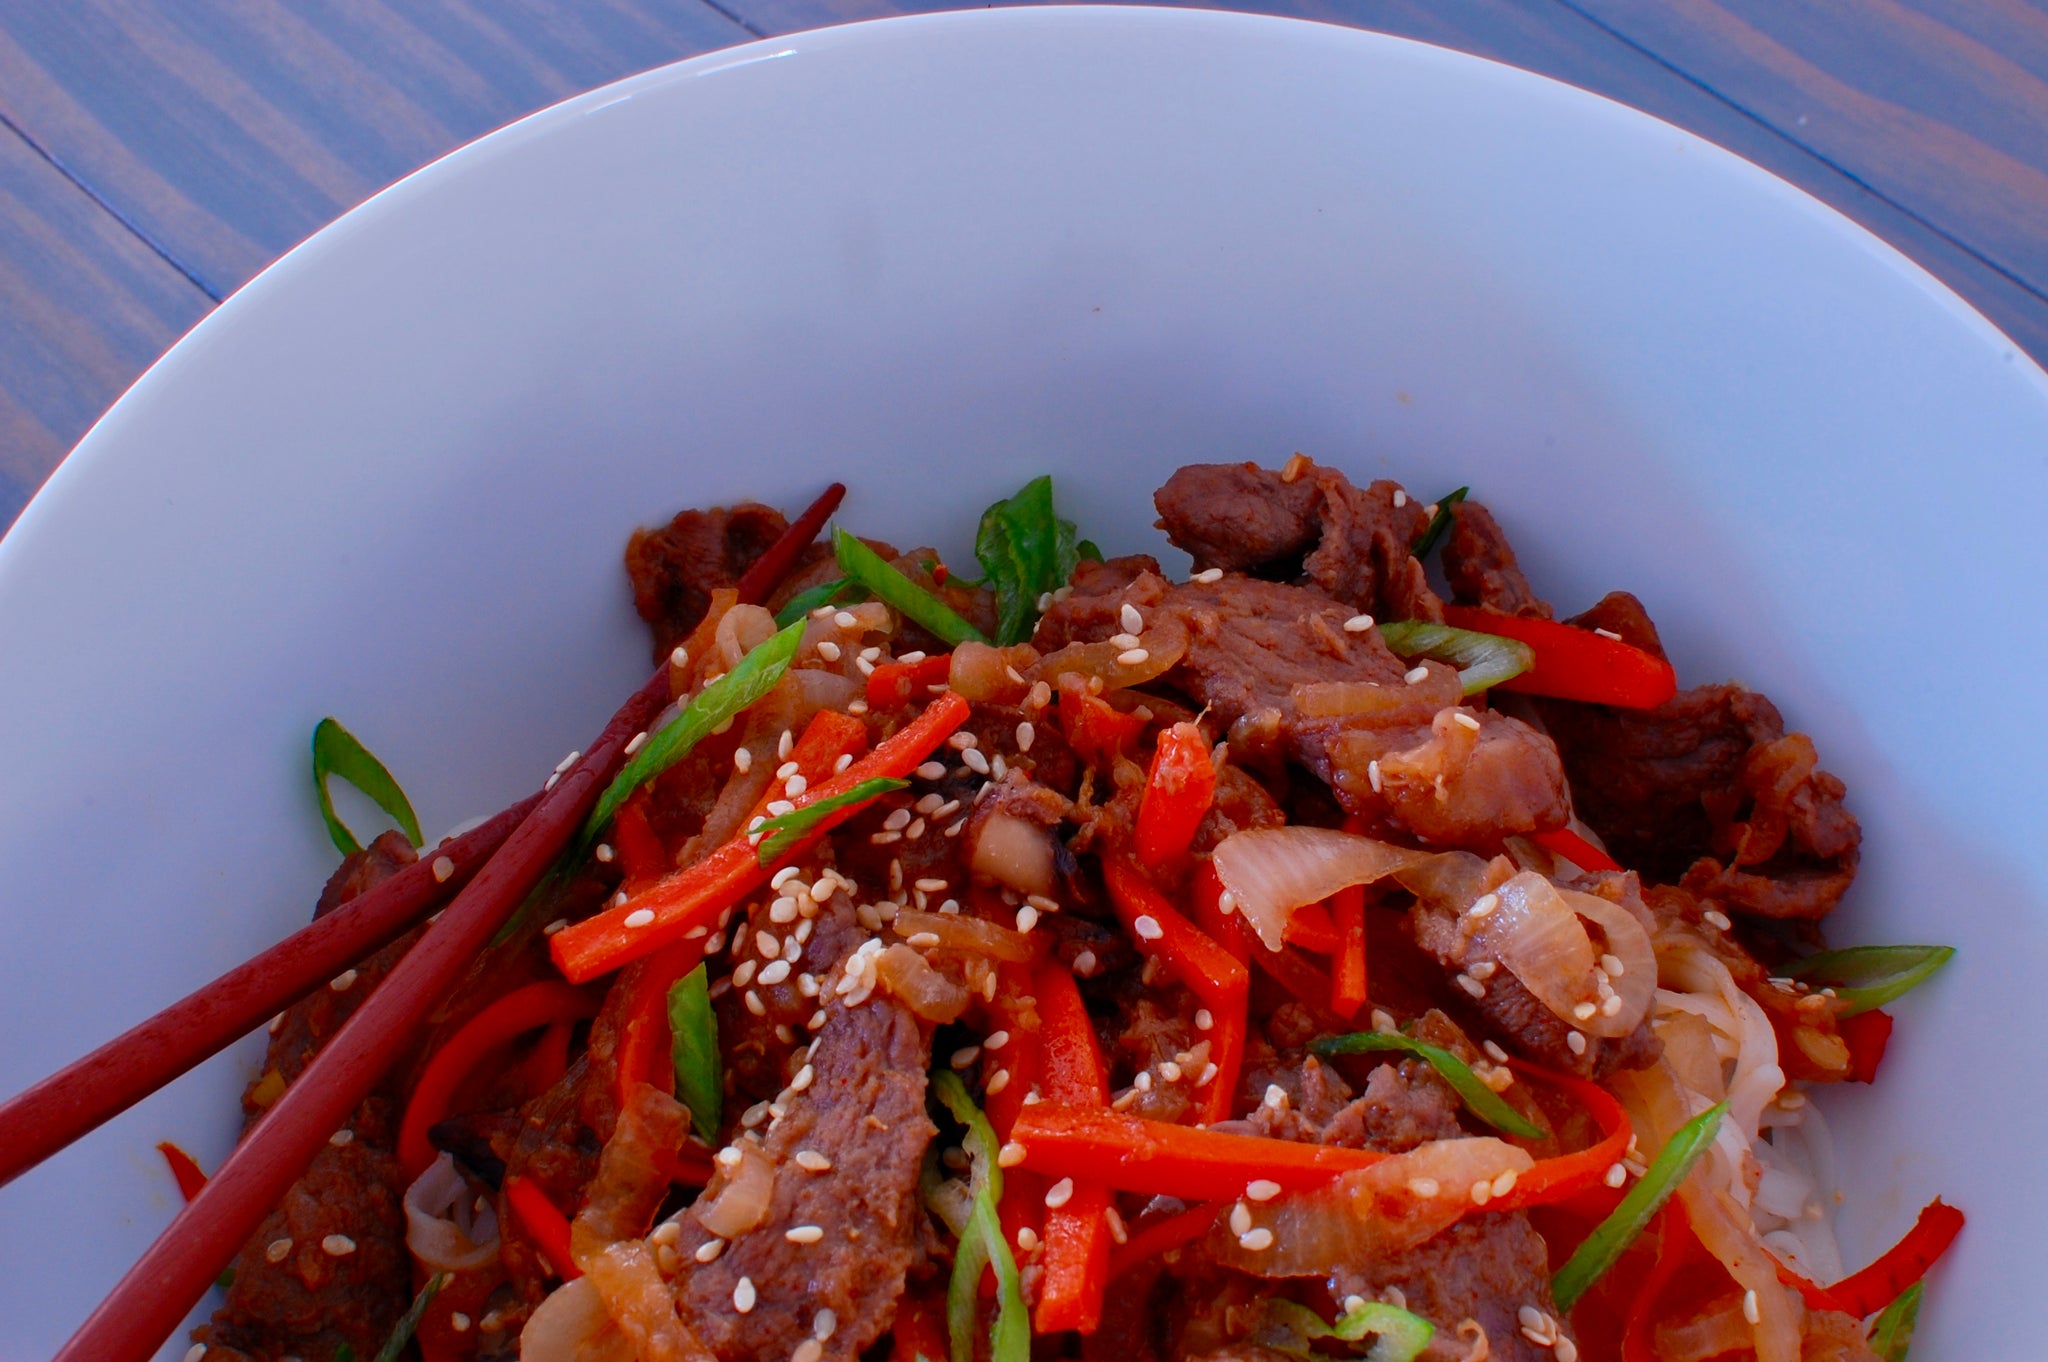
{"type": "Point", "coordinates": [1482, 568]}
{"type": "Point", "coordinates": [1349, 543]}
{"type": "Point", "coordinates": [1402, 1106]}
{"type": "Point", "coordinates": [1484, 1268]}
{"type": "Point", "coordinates": [864, 1110]}
{"type": "Point", "coordinates": [1252, 648]}
{"type": "Point", "coordinates": [309, 1300]}
{"type": "Point", "coordinates": [675, 568]}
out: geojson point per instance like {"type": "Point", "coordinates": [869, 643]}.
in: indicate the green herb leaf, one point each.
{"type": "Point", "coordinates": [1438, 523]}
{"type": "Point", "coordinates": [1605, 1245]}
{"type": "Point", "coordinates": [722, 700]}
{"type": "Point", "coordinates": [784, 831]}
{"type": "Point", "coordinates": [336, 752]}
{"type": "Point", "coordinates": [409, 1322]}
{"type": "Point", "coordinates": [1026, 550]}
{"type": "Point", "coordinates": [345, 1352]}
{"type": "Point", "coordinates": [878, 575]}
{"type": "Point", "coordinates": [693, 1044]}
{"type": "Point", "coordinates": [1891, 1333]}
{"type": "Point", "coordinates": [1482, 660]}
{"type": "Point", "coordinates": [1484, 1102]}
{"type": "Point", "coordinates": [982, 1244]}
{"type": "Point", "coordinates": [1868, 977]}
{"type": "Point", "coordinates": [804, 602]}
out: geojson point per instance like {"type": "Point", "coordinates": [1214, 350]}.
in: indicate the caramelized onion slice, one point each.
{"type": "Point", "coordinates": [1270, 872]}
{"type": "Point", "coordinates": [739, 1197]}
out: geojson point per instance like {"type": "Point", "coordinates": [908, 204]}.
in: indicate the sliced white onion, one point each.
{"type": "Point", "coordinates": [1159, 648]}
{"type": "Point", "coordinates": [572, 1325]}
{"type": "Point", "coordinates": [1372, 1213]}
{"type": "Point", "coordinates": [922, 989]}
{"type": "Point", "coordinates": [741, 630]}
{"type": "Point", "coordinates": [1013, 851]}
{"type": "Point", "coordinates": [1535, 933]}
{"type": "Point", "coordinates": [1273, 871]}
{"type": "Point", "coordinates": [739, 1198]}
{"type": "Point", "coordinates": [443, 1227]}
{"type": "Point", "coordinates": [1628, 942]}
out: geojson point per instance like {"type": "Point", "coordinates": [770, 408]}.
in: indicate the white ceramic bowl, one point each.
{"type": "Point", "coordinates": [391, 478]}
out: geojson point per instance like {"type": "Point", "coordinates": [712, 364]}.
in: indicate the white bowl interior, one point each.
{"type": "Point", "coordinates": [390, 481]}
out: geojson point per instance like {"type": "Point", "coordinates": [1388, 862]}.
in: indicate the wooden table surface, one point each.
{"type": "Point", "coordinates": [155, 156]}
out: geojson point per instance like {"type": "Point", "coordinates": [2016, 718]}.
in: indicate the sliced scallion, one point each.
{"type": "Point", "coordinates": [804, 602]}
{"type": "Point", "coordinates": [1483, 1101]}
{"type": "Point", "coordinates": [785, 830]}
{"type": "Point", "coordinates": [1605, 1245]}
{"type": "Point", "coordinates": [1891, 1333]}
{"type": "Point", "coordinates": [1868, 977]}
{"type": "Point", "coordinates": [872, 571]}
{"type": "Point", "coordinates": [982, 1244]}
{"type": "Point", "coordinates": [337, 752]}
{"type": "Point", "coordinates": [1482, 660]}
{"type": "Point", "coordinates": [409, 1322]}
{"type": "Point", "coordinates": [693, 1047]}
{"type": "Point", "coordinates": [1438, 523]}
{"type": "Point", "coordinates": [1397, 1335]}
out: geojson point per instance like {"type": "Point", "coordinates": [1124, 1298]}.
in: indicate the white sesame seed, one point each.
{"type": "Point", "coordinates": [1143, 1082]}
{"type": "Point", "coordinates": [804, 1234]}
{"type": "Point", "coordinates": [1027, 1239]}
{"type": "Point", "coordinates": [1716, 918]}
{"type": "Point", "coordinates": [444, 869]}
{"type": "Point", "coordinates": [1616, 1175]}
{"type": "Point", "coordinates": [617, 900]}
{"type": "Point", "coordinates": [1000, 1079]}
{"type": "Point", "coordinates": [744, 1296]}
{"type": "Point", "coordinates": [1262, 1189]}
{"type": "Point", "coordinates": [1585, 1011]}
{"type": "Point", "coordinates": [1482, 1191]}
{"type": "Point", "coordinates": [1485, 904]}
{"type": "Point", "coordinates": [1400, 498]}
{"type": "Point", "coordinates": [1358, 624]}
{"type": "Point", "coordinates": [755, 1005]}
{"type": "Point", "coordinates": [1575, 1042]}
{"type": "Point", "coordinates": [828, 650]}
{"type": "Point", "coordinates": [1276, 1097]}
{"type": "Point", "coordinates": [1494, 1052]}
{"type": "Point", "coordinates": [795, 786]}
{"type": "Point", "coordinates": [1416, 675]}
{"type": "Point", "coordinates": [1026, 735]}
{"type": "Point", "coordinates": [804, 1078]}
{"type": "Point", "coordinates": [459, 1322]}
{"type": "Point", "coordinates": [550, 782]}
{"type": "Point", "coordinates": [1027, 918]}
{"type": "Point", "coordinates": [1204, 1019]}
{"type": "Point", "coordinates": [640, 917]}
{"type": "Point", "coordinates": [810, 1350]}
{"type": "Point", "coordinates": [1258, 1241]}
{"type": "Point", "coordinates": [337, 1246]}
{"type": "Point", "coordinates": [1505, 1183]}
{"type": "Point", "coordinates": [776, 972]}
{"type": "Point", "coordinates": [277, 1250]}
{"type": "Point", "coordinates": [709, 1250]}
{"type": "Point", "coordinates": [1752, 1308]}
{"type": "Point", "coordinates": [1208, 575]}
{"type": "Point", "coordinates": [1240, 1219]}
{"type": "Point", "coordinates": [557, 925]}
{"type": "Point", "coordinates": [679, 656]}
{"type": "Point", "coordinates": [1529, 1317]}
{"type": "Point", "coordinates": [1124, 640]}
{"type": "Point", "coordinates": [603, 852]}
{"type": "Point", "coordinates": [343, 982]}
{"type": "Point", "coordinates": [974, 761]}
{"type": "Point", "coordinates": [1084, 964]}
{"type": "Point", "coordinates": [1611, 1007]}
{"type": "Point", "coordinates": [996, 1040]}
{"type": "Point", "coordinates": [1464, 720]}
{"type": "Point", "coordinates": [1471, 985]}
{"type": "Point", "coordinates": [1484, 970]}
{"type": "Point", "coordinates": [1170, 1071]}
{"type": "Point", "coordinates": [965, 1056]}
{"type": "Point", "coordinates": [639, 741]}
{"type": "Point", "coordinates": [1372, 772]}
{"type": "Point", "coordinates": [1566, 1350]}
{"type": "Point", "coordinates": [1147, 927]}
{"type": "Point", "coordinates": [1010, 1155]}
{"type": "Point", "coordinates": [1059, 1194]}
{"type": "Point", "coordinates": [1424, 1187]}
{"type": "Point", "coordinates": [1133, 657]}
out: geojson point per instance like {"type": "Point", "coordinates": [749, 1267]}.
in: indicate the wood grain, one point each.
{"type": "Point", "coordinates": [85, 306]}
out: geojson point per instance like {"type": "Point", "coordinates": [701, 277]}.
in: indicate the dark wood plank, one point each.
{"type": "Point", "coordinates": [229, 130]}
{"type": "Point", "coordinates": [1940, 107]}
{"type": "Point", "coordinates": [85, 306]}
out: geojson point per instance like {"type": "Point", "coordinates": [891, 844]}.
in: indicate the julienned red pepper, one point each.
{"type": "Point", "coordinates": [544, 1223]}
{"type": "Point", "coordinates": [1136, 1155]}
{"type": "Point", "coordinates": [1098, 731]}
{"type": "Point", "coordinates": [1574, 848]}
{"type": "Point", "coordinates": [1178, 793]}
{"type": "Point", "coordinates": [1570, 1175]}
{"type": "Point", "coordinates": [1864, 1293]}
{"type": "Point", "coordinates": [1205, 906]}
{"type": "Point", "coordinates": [1347, 965]}
{"type": "Point", "coordinates": [920, 1330]}
{"type": "Point", "coordinates": [892, 685]}
{"type": "Point", "coordinates": [1163, 1237]}
{"type": "Point", "coordinates": [1574, 663]}
{"type": "Point", "coordinates": [185, 1170]}
{"type": "Point", "coordinates": [636, 850]}
{"type": "Point", "coordinates": [645, 1053]}
{"type": "Point", "coordinates": [1676, 1245]}
{"type": "Point", "coordinates": [521, 1010]}
{"type": "Point", "coordinates": [695, 895]}
{"type": "Point", "coordinates": [1866, 1034]}
{"type": "Point", "coordinates": [1074, 1266]}
{"type": "Point", "coordinates": [1313, 928]}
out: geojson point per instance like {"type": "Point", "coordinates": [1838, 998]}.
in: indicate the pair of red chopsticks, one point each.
{"type": "Point", "coordinates": [494, 866]}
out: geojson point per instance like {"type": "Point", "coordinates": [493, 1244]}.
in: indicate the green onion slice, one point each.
{"type": "Point", "coordinates": [1868, 977]}
{"type": "Point", "coordinates": [409, 1322]}
{"type": "Point", "coordinates": [872, 571]}
{"type": "Point", "coordinates": [1026, 550]}
{"type": "Point", "coordinates": [1482, 660]}
{"type": "Point", "coordinates": [982, 1244]}
{"type": "Point", "coordinates": [784, 831]}
{"type": "Point", "coordinates": [804, 602]}
{"type": "Point", "coordinates": [1605, 1245]}
{"type": "Point", "coordinates": [1891, 1333]}
{"type": "Point", "coordinates": [693, 1046]}
{"type": "Point", "coordinates": [1397, 1335]}
{"type": "Point", "coordinates": [337, 752]}
{"type": "Point", "coordinates": [1438, 523]}
{"type": "Point", "coordinates": [715, 705]}
{"type": "Point", "coordinates": [1483, 1101]}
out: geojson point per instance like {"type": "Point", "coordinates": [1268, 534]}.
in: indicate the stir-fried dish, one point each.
{"type": "Point", "coordinates": [1329, 954]}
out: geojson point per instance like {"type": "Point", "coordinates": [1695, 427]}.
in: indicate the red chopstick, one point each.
{"type": "Point", "coordinates": [176, 1270]}
{"type": "Point", "coordinates": [759, 581]}
{"type": "Point", "coordinates": [80, 1097]}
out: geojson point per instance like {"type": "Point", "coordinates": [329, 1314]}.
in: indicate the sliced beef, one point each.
{"type": "Point", "coordinates": [864, 1111]}
{"type": "Point", "coordinates": [1403, 1105]}
{"type": "Point", "coordinates": [1482, 568]}
{"type": "Point", "coordinates": [328, 1266]}
{"type": "Point", "coordinates": [675, 568]}
{"type": "Point", "coordinates": [1351, 544]}
{"type": "Point", "coordinates": [1485, 1268]}
{"type": "Point", "coordinates": [1709, 790]}
{"type": "Point", "coordinates": [1276, 664]}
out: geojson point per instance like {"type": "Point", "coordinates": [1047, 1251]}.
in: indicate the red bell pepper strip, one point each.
{"type": "Point", "coordinates": [695, 895]}
{"type": "Point", "coordinates": [1676, 1246]}
{"type": "Point", "coordinates": [1163, 1236]}
{"type": "Point", "coordinates": [1178, 793]}
{"type": "Point", "coordinates": [1205, 906]}
{"type": "Point", "coordinates": [1074, 1268]}
{"type": "Point", "coordinates": [544, 1224]}
{"type": "Point", "coordinates": [522, 1010]}
{"type": "Point", "coordinates": [1312, 928]}
{"type": "Point", "coordinates": [636, 850]}
{"type": "Point", "coordinates": [1864, 1293]}
{"type": "Point", "coordinates": [1135, 1155]}
{"type": "Point", "coordinates": [1347, 965]}
{"type": "Point", "coordinates": [892, 685]}
{"type": "Point", "coordinates": [920, 1330]}
{"type": "Point", "coordinates": [1574, 663]}
{"type": "Point", "coordinates": [1866, 1034]}
{"type": "Point", "coordinates": [1098, 731]}
{"type": "Point", "coordinates": [548, 1060]}
{"type": "Point", "coordinates": [1574, 848]}
{"type": "Point", "coordinates": [759, 581]}
{"type": "Point", "coordinates": [185, 1170]}
{"type": "Point", "coordinates": [644, 1050]}
{"type": "Point", "coordinates": [1570, 1175]}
